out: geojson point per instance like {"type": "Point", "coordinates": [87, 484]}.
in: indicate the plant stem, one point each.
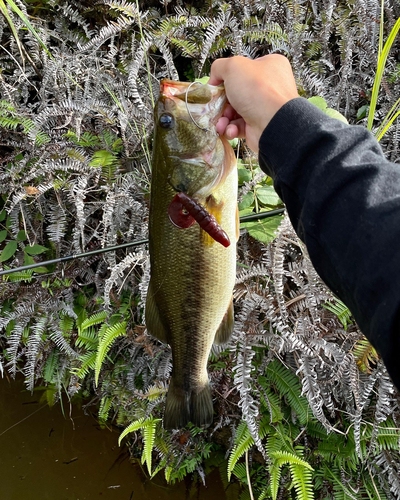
{"type": "Point", "coordinates": [248, 475]}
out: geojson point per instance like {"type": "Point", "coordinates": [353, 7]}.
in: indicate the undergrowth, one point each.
{"type": "Point", "coordinates": [304, 406]}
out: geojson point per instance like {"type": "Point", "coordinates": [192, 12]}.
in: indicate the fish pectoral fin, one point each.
{"type": "Point", "coordinates": [225, 329]}
{"type": "Point", "coordinates": [152, 318]}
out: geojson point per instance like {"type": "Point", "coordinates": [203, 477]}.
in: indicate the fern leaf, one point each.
{"type": "Point", "coordinates": [302, 481]}
{"type": "Point", "coordinates": [134, 426]}
{"type": "Point", "coordinates": [95, 319]}
{"type": "Point", "coordinates": [239, 450]}
{"type": "Point", "coordinates": [104, 409]}
{"type": "Point", "coordinates": [244, 443]}
{"type": "Point", "coordinates": [288, 385]}
{"type": "Point", "coordinates": [105, 344]}
{"type": "Point", "coordinates": [88, 361]}
{"type": "Point", "coordinates": [285, 457]}
{"type": "Point", "coordinates": [88, 339]}
{"type": "Point", "coordinates": [50, 367]}
{"type": "Point", "coordinates": [149, 434]}
{"type": "Point", "coordinates": [341, 310]}
{"type": "Point", "coordinates": [275, 476]}
{"type": "Point", "coordinates": [167, 473]}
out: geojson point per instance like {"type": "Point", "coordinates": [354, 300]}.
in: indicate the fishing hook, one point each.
{"type": "Point", "coordinates": [187, 107]}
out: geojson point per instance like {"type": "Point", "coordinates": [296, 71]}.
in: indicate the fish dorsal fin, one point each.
{"type": "Point", "coordinates": [225, 329]}
{"type": "Point", "coordinates": [153, 321]}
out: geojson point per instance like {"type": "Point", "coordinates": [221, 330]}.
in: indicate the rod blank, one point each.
{"type": "Point", "coordinates": [245, 218]}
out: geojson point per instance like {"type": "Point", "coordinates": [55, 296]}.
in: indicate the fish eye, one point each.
{"type": "Point", "coordinates": [166, 121]}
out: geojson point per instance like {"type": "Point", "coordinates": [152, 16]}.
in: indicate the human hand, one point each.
{"type": "Point", "coordinates": [256, 90]}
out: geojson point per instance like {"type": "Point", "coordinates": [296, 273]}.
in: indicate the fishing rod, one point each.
{"type": "Point", "coordinates": [245, 218]}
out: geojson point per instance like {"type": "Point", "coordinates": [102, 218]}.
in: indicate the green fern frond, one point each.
{"type": "Point", "coordinates": [189, 49]}
{"type": "Point", "coordinates": [104, 409]}
{"type": "Point", "coordinates": [240, 449]}
{"type": "Point", "coordinates": [316, 430]}
{"type": "Point", "coordinates": [162, 445]}
{"type": "Point", "coordinates": [49, 395]}
{"type": "Point", "coordinates": [5, 105]}
{"type": "Point", "coordinates": [86, 140]}
{"type": "Point", "coordinates": [240, 472]}
{"type": "Point", "coordinates": [275, 476]}
{"type": "Point", "coordinates": [338, 451]}
{"type": "Point", "coordinates": [134, 426]}
{"type": "Point", "coordinates": [20, 276]}
{"type": "Point", "coordinates": [244, 443]}
{"type": "Point", "coordinates": [167, 473]}
{"type": "Point", "coordinates": [341, 491]}
{"type": "Point", "coordinates": [107, 161]}
{"type": "Point", "coordinates": [388, 435]}
{"type": "Point", "coordinates": [341, 310]}
{"type": "Point", "coordinates": [50, 367]}
{"type": "Point", "coordinates": [9, 122]}
{"type": "Point", "coordinates": [88, 361]}
{"type": "Point", "coordinates": [288, 385]}
{"type": "Point", "coordinates": [285, 457]}
{"type": "Point", "coordinates": [149, 433]}
{"type": "Point", "coordinates": [302, 480]}
{"type": "Point", "coordinates": [105, 343]}
{"type": "Point", "coordinates": [95, 319]}
{"type": "Point", "coordinates": [66, 323]}
{"type": "Point", "coordinates": [88, 339]}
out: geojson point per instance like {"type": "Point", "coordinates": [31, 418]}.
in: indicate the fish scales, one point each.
{"type": "Point", "coordinates": [192, 276]}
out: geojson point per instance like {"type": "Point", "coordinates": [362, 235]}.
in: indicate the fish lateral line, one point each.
{"type": "Point", "coordinates": [184, 211]}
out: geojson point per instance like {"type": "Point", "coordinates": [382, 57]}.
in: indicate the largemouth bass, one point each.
{"type": "Point", "coordinates": [189, 300]}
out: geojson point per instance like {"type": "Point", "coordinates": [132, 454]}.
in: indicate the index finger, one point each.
{"type": "Point", "coordinates": [218, 71]}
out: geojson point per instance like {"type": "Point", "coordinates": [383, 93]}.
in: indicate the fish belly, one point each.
{"type": "Point", "coordinates": [190, 292]}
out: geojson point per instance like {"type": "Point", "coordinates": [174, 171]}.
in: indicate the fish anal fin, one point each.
{"type": "Point", "coordinates": [153, 321]}
{"type": "Point", "coordinates": [225, 329]}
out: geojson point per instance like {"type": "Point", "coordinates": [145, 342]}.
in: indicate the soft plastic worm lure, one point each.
{"type": "Point", "coordinates": [183, 212]}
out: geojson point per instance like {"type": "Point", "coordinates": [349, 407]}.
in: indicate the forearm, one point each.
{"type": "Point", "coordinates": [343, 198]}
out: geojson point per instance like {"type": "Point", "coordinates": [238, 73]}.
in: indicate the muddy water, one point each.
{"type": "Point", "coordinates": [46, 456]}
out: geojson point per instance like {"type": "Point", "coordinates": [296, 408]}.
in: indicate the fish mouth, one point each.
{"type": "Point", "coordinates": [202, 102]}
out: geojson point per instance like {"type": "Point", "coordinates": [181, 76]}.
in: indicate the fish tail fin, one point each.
{"type": "Point", "coordinates": [177, 408]}
{"type": "Point", "coordinates": [183, 407]}
{"type": "Point", "coordinates": [201, 407]}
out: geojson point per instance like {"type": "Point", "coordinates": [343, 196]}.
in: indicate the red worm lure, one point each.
{"type": "Point", "coordinates": [183, 212]}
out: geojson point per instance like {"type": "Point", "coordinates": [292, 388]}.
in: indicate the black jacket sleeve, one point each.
{"type": "Point", "coordinates": [343, 198]}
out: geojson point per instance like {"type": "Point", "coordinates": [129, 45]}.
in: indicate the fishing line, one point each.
{"type": "Point", "coordinates": [245, 218]}
{"type": "Point", "coordinates": [187, 107]}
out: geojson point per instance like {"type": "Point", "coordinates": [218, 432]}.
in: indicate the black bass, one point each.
{"type": "Point", "coordinates": [194, 185]}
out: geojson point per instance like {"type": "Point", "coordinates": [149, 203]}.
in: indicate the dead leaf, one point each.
{"type": "Point", "coordinates": [31, 190]}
